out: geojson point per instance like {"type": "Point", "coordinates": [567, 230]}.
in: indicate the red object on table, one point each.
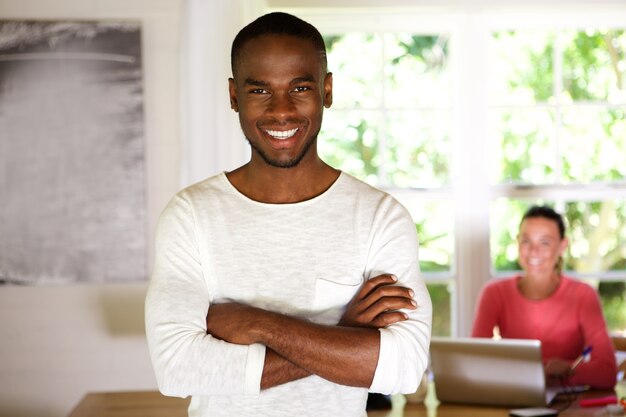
{"type": "Point", "coordinates": [594, 402]}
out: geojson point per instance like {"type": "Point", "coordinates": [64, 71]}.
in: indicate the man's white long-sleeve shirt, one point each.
{"type": "Point", "coordinates": [305, 259]}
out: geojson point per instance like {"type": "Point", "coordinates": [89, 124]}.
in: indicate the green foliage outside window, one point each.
{"type": "Point", "coordinates": [570, 130]}
{"type": "Point", "coordinates": [557, 107]}
{"type": "Point", "coordinates": [380, 129]}
{"type": "Point", "coordinates": [440, 297]}
{"type": "Point", "coordinates": [549, 130]}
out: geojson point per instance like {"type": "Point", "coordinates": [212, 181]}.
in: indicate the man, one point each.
{"type": "Point", "coordinates": [285, 287]}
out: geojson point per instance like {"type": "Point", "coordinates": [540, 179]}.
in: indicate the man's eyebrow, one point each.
{"type": "Point", "coordinates": [304, 79]}
{"type": "Point", "coordinates": [308, 78]}
{"type": "Point", "coordinates": [256, 83]}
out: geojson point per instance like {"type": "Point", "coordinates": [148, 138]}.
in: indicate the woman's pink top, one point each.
{"type": "Point", "coordinates": [566, 322]}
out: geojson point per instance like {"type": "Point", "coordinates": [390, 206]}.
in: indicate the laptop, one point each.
{"type": "Point", "coordinates": [506, 372]}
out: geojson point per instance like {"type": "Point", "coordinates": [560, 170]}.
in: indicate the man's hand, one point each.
{"type": "Point", "coordinates": [233, 322]}
{"type": "Point", "coordinates": [350, 351]}
{"type": "Point", "coordinates": [377, 303]}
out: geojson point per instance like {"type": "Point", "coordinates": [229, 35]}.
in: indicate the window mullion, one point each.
{"type": "Point", "coordinates": [558, 90]}
{"type": "Point", "coordinates": [382, 131]}
{"type": "Point", "coordinates": [469, 172]}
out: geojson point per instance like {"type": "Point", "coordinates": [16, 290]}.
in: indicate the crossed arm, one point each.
{"type": "Point", "coordinates": [346, 354]}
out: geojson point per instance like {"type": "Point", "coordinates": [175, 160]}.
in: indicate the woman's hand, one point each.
{"type": "Point", "coordinates": [558, 368]}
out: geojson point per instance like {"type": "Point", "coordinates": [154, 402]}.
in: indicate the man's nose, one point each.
{"type": "Point", "coordinates": [281, 105]}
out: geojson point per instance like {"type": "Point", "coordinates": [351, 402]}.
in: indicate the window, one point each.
{"type": "Point", "coordinates": [557, 135]}
{"type": "Point", "coordinates": [470, 117]}
{"type": "Point", "coordinates": [389, 125]}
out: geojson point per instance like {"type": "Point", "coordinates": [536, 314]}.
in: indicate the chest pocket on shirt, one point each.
{"type": "Point", "coordinates": [335, 292]}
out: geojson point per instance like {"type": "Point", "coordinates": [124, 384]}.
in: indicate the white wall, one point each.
{"type": "Point", "coordinates": [60, 342]}
{"type": "Point", "coordinates": [57, 343]}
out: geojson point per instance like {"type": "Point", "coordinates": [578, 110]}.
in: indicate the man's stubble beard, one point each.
{"type": "Point", "coordinates": [283, 164]}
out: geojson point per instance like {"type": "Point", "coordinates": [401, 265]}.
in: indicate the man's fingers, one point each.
{"type": "Point", "coordinates": [375, 314]}
{"type": "Point", "coordinates": [388, 304]}
{"type": "Point", "coordinates": [388, 318]}
{"type": "Point", "coordinates": [378, 298]}
{"type": "Point", "coordinates": [386, 292]}
{"type": "Point", "coordinates": [373, 283]}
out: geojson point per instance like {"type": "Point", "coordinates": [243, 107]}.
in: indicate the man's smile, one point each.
{"type": "Point", "coordinates": [282, 134]}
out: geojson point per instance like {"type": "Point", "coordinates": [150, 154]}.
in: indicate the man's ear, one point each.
{"type": "Point", "coordinates": [328, 90]}
{"type": "Point", "coordinates": [232, 92]}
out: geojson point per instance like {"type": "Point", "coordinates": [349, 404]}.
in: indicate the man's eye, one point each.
{"type": "Point", "coordinates": [258, 91]}
{"type": "Point", "coordinates": [301, 88]}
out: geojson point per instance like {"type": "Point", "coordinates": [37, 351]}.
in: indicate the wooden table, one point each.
{"type": "Point", "coordinates": [153, 404]}
{"type": "Point", "coordinates": [130, 404]}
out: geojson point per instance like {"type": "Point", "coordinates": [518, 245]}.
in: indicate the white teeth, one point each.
{"type": "Point", "coordinates": [282, 134]}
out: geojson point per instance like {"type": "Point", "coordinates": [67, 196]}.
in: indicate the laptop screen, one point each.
{"type": "Point", "coordinates": [506, 372]}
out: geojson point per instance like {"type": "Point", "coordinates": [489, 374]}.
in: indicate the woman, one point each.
{"type": "Point", "coordinates": [543, 304]}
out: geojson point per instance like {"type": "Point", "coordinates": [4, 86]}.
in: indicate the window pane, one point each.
{"type": "Point", "coordinates": [435, 231]}
{"type": "Point", "coordinates": [349, 141]}
{"type": "Point", "coordinates": [594, 65]}
{"type": "Point", "coordinates": [523, 145]}
{"type": "Point", "coordinates": [521, 67]}
{"type": "Point", "coordinates": [398, 113]}
{"type": "Point", "coordinates": [355, 59]}
{"type": "Point", "coordinates": [593, 144]}
{"type": "Point", "coordinates": [597, 232]}
{"type": "Point", "coordinates": [613, 303]}
{"type": "Point", "coordinates": [416, 71]}
{"type": "Point", "coordinates": [571, 144]}
{"type": "Point", "coordinates": [505, 215]}
{"type": "Point", "coordinates": [440, 297]}
{"type": "Point", "coordinates": [418, 148]}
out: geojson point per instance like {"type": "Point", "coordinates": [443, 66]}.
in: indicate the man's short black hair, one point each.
{"type": "Point", "coordinates": [277, 23]}
{"type": "Point", "coordinates": [546, 212]}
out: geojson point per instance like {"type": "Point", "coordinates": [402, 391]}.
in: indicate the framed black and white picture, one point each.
{"type": "Point", "coordinates": [71, 152]}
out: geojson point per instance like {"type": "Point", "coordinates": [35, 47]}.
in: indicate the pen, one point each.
{"type": "Point", "coordinates": [583, 357]}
